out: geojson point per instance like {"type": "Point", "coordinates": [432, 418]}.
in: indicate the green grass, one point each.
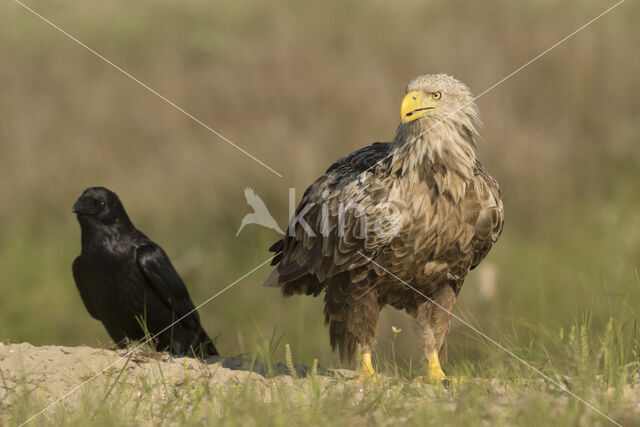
{"type": "Point", "coordinates": [596, 365]}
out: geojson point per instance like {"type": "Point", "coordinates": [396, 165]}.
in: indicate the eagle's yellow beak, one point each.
{"type": "Point", "coordinates": [414, 105]}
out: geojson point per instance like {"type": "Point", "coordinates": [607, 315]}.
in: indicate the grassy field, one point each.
{"type": "Point", "coordinates": [299, 85]}
{"type": "Point", "coordinates": [148, 389]}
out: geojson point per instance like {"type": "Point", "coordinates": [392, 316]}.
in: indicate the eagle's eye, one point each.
{"type": "Point", "coordinates": [436, 95]}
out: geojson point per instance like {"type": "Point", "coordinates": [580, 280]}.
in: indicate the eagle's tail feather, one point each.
{"type": "Point", "coordinates": [273, 281]}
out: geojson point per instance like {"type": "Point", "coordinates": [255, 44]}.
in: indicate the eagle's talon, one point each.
{"type": "Point", "coordinates": [367, 373]}
{"type": "Point", "coordinates": [454, 381]}
{"type": "Point", "coordinates": [435, 374]}
{"type": "Point", "coordinates": [445, 381]}
{"type": "Point", "coordinates": [365, 378]}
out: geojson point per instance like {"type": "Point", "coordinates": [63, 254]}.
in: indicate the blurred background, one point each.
{"type": "Point", "coordinates": [299, 85]}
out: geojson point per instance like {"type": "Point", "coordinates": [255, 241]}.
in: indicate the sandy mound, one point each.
{"type": "Point", "coordinates": [143, 388]}
{"type": "Point", "coordinates": [51, 372]}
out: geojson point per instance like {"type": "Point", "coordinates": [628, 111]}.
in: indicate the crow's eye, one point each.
{"type": "Point", "coordinates": [436, 95]}
{"type": "Point", "coordinates": [102, 203]}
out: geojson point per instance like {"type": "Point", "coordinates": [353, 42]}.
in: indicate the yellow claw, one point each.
{"type": "Point", "coordinates": [457, 381]}
{"type": "Point", "coordinates": [367, 373]}
{"type": "Point", "coordinates": [435, 374]}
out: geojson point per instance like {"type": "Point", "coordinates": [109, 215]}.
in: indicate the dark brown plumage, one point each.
{"type": "Point", "coordinates": [421, 207]}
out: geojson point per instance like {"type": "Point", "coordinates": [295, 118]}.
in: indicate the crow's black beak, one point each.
{"type": "Point", "coordinates": [86, 206]}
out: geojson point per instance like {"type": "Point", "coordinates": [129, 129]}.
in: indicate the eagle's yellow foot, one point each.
{"type": "Point", "coordinates": [435, 374]}
{"type": "Point", "coordinates": [367, 373]}
{"type": "Point", "coordinates": [455, 381]}
{"type": "Point", "coordinates": [446, 382]}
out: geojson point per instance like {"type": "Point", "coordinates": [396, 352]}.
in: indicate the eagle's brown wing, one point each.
{"type": "Point", "coordinates": [346, 217]}
{"type": "Point", "coordinates": [328, 230]}
{"type": "Point", "coordinates": [491, 219]}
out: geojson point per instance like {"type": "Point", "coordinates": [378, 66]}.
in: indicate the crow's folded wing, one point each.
{"type": "Point", "coordinates": [166, 283]}
{"type": "Point", "coordinates": [82, 287]}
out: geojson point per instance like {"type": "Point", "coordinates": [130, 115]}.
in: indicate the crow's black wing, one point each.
{"type": "Point", "coordinates": [81, 284]}
{"type": "Point", "coordinates": [166, 283]}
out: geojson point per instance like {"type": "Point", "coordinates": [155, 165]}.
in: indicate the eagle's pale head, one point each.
{"type": "Point", "coordinates": [434, 99]}
{"type": "Point", "coordinates": [438, 120]}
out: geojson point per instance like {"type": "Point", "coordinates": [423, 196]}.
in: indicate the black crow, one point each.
{"type": "Point", "coordinates": [128, 283]}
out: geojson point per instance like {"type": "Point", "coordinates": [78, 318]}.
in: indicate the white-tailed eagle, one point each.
{"type": "Point", "coordinates": [395, 222]}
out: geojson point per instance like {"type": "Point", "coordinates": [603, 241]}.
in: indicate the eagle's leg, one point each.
{"type": "Point", "coordinates": [353, 319]}
{"type": "Point", "coordinates": [367, 372]}
{"type": "Point", "coordinates": [434, 319]}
